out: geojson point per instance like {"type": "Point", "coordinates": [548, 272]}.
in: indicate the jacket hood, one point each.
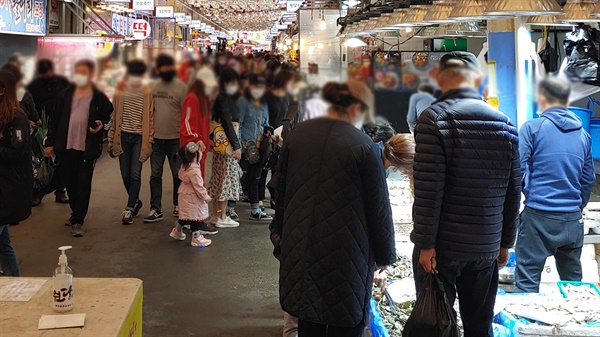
{"type": "Point", "coordinates": [563, 119]}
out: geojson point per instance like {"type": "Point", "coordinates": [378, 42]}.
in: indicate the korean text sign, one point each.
{"type": "Point", "coordinates": [27, 17]}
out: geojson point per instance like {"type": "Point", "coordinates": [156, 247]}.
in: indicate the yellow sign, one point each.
{"type": "Point", "coordinates": [132, 326]}
{"type": "Point", "coordinates": [494, 101]}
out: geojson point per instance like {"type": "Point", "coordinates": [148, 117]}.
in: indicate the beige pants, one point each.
{"type": "Point", "coordinates": [290, 325]}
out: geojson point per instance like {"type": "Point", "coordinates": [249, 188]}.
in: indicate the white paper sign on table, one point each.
{"type": "Point", "coordinates": [61, 321]}
{"type": "Point", "coordinates": [19, 290]}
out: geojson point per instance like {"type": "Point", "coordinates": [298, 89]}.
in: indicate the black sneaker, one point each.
{"type": "Point", "coordinates": [70, 222]}
{"type": "Point", "coordinates": [233, 215]}
{"type": "Point", "coordinates": [135, 212]}
{"type": "Point", "coordinates": [154, 216]}
{"type": "Point", "coordinates": [260, 216]}
{"type": "Point", "coordinates": [207, 230]}
{"type": "Point", "coordinates": [127, 218]}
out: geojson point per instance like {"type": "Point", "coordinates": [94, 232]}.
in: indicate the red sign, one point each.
{"type": "Point", "coordinates": [141, 29]}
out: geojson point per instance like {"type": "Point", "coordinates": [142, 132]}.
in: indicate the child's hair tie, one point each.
{"type": "Point", "coordinates": [191, 147]}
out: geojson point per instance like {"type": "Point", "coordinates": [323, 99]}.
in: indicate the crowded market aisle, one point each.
{"type": "Point", "coordinates": [227, 289]}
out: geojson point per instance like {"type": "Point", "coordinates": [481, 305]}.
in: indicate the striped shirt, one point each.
{"type": "Point", "coordinates": [133, 110]}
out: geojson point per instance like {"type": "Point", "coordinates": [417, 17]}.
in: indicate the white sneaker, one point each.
{"type": "Point", "coordinates": [200, 241]}
{"type": "Point", "coordinates": [177, 234]}
{"type": "Point", "coordinates": [226, 223]}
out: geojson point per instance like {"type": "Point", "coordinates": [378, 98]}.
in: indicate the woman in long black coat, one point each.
{"type": "Point", "coordinates": [15, 169]}
{"type": "Point", "coordinates": [333, 222]}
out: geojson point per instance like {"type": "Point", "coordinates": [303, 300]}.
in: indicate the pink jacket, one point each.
{"type": "Point", "coordinates": [192, 194]}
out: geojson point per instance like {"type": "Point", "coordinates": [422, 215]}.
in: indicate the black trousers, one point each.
{"type": "Point", "coordinates": [476, 283]}
{"type": "Point", "coordinates": [309, 329]}
{"type": "Point", "coordinates": [194, 225]}
{"type": "Point", "coordinates": [78, 173]}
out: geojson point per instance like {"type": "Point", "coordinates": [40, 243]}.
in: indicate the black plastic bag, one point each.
{"type": "Point", "coordinates": [581, 47]}
{"type": "Point", "coordinates": [43, 172]}
{"type": "Point", "coordinates": [549, 56]}
{"type": "Point", "coordinates": [432, 315]}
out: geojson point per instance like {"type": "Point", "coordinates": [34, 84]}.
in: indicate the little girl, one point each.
{"type": "Point", "coordinates": [193, 198]}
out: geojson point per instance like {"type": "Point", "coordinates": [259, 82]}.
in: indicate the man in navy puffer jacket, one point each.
{"type": "Point", "coordinates": [558, 176]}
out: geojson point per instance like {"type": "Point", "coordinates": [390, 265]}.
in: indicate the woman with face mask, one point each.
{"type": "Point", "coordinates": [254, 129]}
{"type": "Point", "coordinates": [16, 176]}
{"type": "Point", "coordinates": [24, 97]}
{"type": "Point", "coordinates": [132, 133]}
{"type": "Point", "coordinates": [225, 185]}
{"type": "Point", "coordinates": [333, 223]}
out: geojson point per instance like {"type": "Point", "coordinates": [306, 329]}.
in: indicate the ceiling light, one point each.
{"type": "Point", "coordinates": [578, 11]}
{"type": "Point", "coordinates": [414, 16]}
{"type": "Point", "coordinates": [427, 33]}
{"type": "Point", "coordinates": [469, 10]}
{"type": "Point", "coordinates": [354, 42]}
{"type": "Point", "coordinates": [323, 24]}
{"type": "Point", "coordinates": [397, 17]}
{"type": "Point", "coordinates": [596, 11]}
{"type": "Point", "coordinates": [546, 20]}
{"type": "Point", "coordinates": [440, 11]}
{"type": "Point", "coordinates": [523, 7]}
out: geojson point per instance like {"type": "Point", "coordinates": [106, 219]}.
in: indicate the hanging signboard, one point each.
{"type": "Point", "coordinates": [23, 17]}
{"type": "Point", "coordinates": [203, 26]}
{"type": "Point", "coordinates": [53, 13]}
{"type": "Point", "coordinates": [179, 17]}
{"type": "Point", "coordinates": [165, 12]}
{"type": "Point", "coordinates": [210, 29]}
{"type": "Point", "coordinates": [188, 20]}
{"type": "Point", "coordinates": [196, 24]}
{"type": "Point", "coordinates": [122, 24]}
{"type": "Point", "coordinates": [293, 5]}
{"type": "Point", "coordinates": [141, 29]}
{"type": "Point", "coordinates": [143, 5]}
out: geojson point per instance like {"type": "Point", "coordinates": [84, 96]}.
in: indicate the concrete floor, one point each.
{"type": "Point", "coordinates": [227, 289]}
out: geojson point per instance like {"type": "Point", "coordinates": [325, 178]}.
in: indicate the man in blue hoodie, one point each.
{"type": "Point", "coordinates": [558, 176]}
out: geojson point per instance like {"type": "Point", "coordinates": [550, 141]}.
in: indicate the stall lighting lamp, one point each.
{"type": "Point", "coordinates": [470, 10]}
{"type": "Point", "coordinates": [440, 11]}
{"type": "Point", "coordinates": [523, 7]}
{"type": "Point", "coordinates": [579, 11]}
{"type": "Point", "coordinates": [354, 42]}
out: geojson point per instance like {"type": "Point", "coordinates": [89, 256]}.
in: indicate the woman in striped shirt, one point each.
{"type": "Point", "coordinates": [132, 133]}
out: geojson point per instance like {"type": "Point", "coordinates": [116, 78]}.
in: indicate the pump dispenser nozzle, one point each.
{"type": "Point", "coordinates": [62, 259]}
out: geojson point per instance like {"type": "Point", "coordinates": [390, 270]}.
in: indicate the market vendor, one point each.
{"type": "Point", "coordinates": [467, 193]}
{"type": "Point", "coordinates": [558, 171]}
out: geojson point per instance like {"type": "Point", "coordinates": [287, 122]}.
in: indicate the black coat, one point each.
{"type": "Point", "coordinates": [45, 92]}
{"type": "Point", "coordinates": [333, 222]}
{"type": "Point", "coordinates": [28, 106]}
{"type": "Point", "coordinates": [467, 178]}
{"type": "Point", "coordinates": [100, 109]}
{"type": "Point", "coordinates": [16, 172]}
{"type": "Point", "coordinates": [225, 112]}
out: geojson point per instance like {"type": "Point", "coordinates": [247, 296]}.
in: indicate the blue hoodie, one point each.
{"type": "Point", "coordinates": [556, 162]}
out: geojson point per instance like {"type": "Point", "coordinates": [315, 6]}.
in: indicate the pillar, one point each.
{"type": "Point", "coordinates": [501, 49]}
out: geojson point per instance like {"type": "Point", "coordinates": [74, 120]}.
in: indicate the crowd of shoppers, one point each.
{"type": "Point", "coordinates": [332, 231]}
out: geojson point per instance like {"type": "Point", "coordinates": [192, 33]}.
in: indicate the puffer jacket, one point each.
{"type": "Point", "coordinates": [192, 194]}
{"type": "Point", "coordinates": [333, 222]}
{"type": "Point", "coordinates": [467, 178]}
{"type": "Point", "coordinates": [16, 174]}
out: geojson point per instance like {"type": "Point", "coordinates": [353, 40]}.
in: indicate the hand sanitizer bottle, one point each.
{"type": "Point", "coordinates": [63, 284]}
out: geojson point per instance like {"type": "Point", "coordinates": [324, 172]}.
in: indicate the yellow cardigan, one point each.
{"type": "Point", "coordinates": [114, 135]}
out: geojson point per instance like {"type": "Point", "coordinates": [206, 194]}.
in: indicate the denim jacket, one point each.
{"type": "Point", "coordinates": [253, 119]}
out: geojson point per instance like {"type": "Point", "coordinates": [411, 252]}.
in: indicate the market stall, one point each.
{"type": "Point", "coordinates": [112, 308]}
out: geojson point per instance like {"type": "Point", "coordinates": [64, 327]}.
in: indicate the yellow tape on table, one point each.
{"type": "Point", "coordinates": [132, 326]}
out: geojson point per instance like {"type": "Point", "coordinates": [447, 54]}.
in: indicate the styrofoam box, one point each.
{"type": "Point", "coordinates": [549, 331]}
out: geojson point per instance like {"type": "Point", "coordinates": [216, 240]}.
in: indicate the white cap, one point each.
{"type": "Point", "coordinates": [207, 76]}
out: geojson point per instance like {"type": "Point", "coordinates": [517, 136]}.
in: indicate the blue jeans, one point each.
{"type": "Point", "coordinates": [131, 167]}
{"type": "Point", "coordinates": [8, 259]}
{"type": "Point", "coordinates": [161, 149]}
{"type": "Point", "coordinates": [544, 234]}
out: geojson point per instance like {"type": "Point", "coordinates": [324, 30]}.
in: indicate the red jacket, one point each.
{"type": "Point", "coordinates": [195, 126]}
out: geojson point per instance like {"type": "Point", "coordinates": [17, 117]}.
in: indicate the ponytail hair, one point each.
{"type": "Point", "coordinates": [400, 151]}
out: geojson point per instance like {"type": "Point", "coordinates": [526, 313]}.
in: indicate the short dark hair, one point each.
{"type": "Point", "coordinates": [13, 70]}
{"type": "Point", "coordinates": [136, 67]}
{"type": "Point", "coordinates": [164, 60]}
{"type": "Point", "coordinates": [44, 66]}
{"type": "Point", "coordinates": [428, 88]}
{"type": "Point", "coordinates": [228, 75]}
{"type": "Point", "coordinates": [86, 63]}
{"type": "Point", "coordinates": [381, 130]}
{"type": "Point", "coordinates": [273, 65]}
{"type": "Point", "coordinates": [282, 78]}
{"type": "Point", "coordinates": [555, 90]}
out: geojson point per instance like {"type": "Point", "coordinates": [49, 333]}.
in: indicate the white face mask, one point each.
{"type": "Point", "coordinates": [232, 89]}
{"type": "Point", "coordinates": [20, 93]}
{"type": "Point", "coordinates": [135, 81]}
{"type": "Point", "coordinates": [208, 90]}
{"type": "Point", "coordinates": [80, 80]}
{"type": "Point", "coordinates": [359, 124]}
{"type": "Point", "coordinates": [257, 93]}
{"type": "Point", "coordinates": [295, 92]}
{"type": "Point", "coordinates": [289, 88]}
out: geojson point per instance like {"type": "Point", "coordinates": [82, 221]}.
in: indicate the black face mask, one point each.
{"type": "Point", "coordinates": [167, 76]}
